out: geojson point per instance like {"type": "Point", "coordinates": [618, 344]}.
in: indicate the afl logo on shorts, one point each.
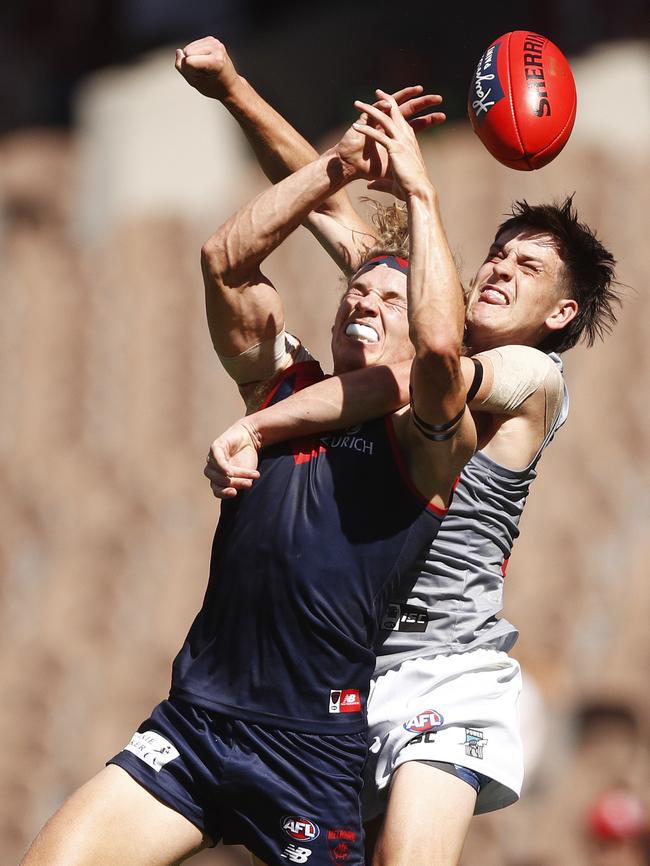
{"type": "Point", "coordinates": [428, 720]}
{"type": "Point", "coordinates": [300, 828]}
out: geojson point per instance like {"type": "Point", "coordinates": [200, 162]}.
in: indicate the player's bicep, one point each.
{"type": "Point", "coordinates": [478, 374]}
{"type": "Point", "coordinates": [241, 316]}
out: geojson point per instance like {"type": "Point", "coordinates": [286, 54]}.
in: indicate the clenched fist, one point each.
{"type": "Point", "coordinates": [205, 65]}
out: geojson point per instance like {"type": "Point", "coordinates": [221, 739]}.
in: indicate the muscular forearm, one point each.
{"type": "Point", "coordinates": [280, 150]}
{"type": "Point", "coordinates": [435, 301]}
{"type": "Point", "coordinates": [336, 402]}
{"type": "Point", "coordinates": [236, 250]}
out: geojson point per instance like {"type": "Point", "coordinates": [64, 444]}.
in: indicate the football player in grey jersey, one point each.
{"type": "Point", "coordinates": [443, 732]}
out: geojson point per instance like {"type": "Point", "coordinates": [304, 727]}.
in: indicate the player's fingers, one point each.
{"type": "Point", "coordinates": [395, 113]}
{"type": "Point", "coordinates": [375, 134]}
{"type": "Point", "coordinates": [427, 120]}
{"type": "Point", "coordinates": [199, 62]}
{"type": "Point", "coordinates": [240, 472]}
{"type": "Point", "coordinates": [403, 97]}
{"type": "Point", "coordinates": [218, 469]}
{"type": "Point", "coordinates": [237, 483]}
{"type": "Point", "coordinates": [206, 45]}
{"type": "Point", "coordinates": [216, 476]}
{"type": "Point", "coordinates": [413, 106]}
{"type": "Point", "coordinates": [216, 463]}
{"type": "Point", "coordinates": [223, 492]}
{"type": "Point", "coordinates": [376, 114]}
{"type": "Point", "coordinates": [405, 93]}
{"type": "Point", "coordinates": [179, 58]}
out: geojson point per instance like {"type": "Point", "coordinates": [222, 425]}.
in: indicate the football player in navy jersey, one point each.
{"type": "Point", "coordinates": [263, 738]}
{"type": "Point", "coordinates": [546, 283]}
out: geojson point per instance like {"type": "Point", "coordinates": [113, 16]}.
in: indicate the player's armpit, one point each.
{"type": "Point", "coordinates": [510, 376]}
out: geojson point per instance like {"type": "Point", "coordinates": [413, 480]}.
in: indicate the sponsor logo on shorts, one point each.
{"type": "Point", "coordinates": [152, 748]}
{"type": "Point", "coordinates": [405, 617]}
{"type": "Point", "coordinates": [300, 828]}
{"type": "Point", "coordinates": [474, 743]}
{"type": "Point", "coordinates": [428, 737]}
{"type": "Point", "coordinates": [296, 854]}
{"type": "Point", "coordinates": [339, 841]}
{"type": "Point", "coordinates": [345, 701]}
{"type": "Point", "coordinates": [428, 720]}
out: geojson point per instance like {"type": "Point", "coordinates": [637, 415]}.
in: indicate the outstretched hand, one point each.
{"type": "Point", "coordinates": [206, 65]}
{"type": "Point", "coordinates": [395, 142]}
{"type": "Point", "coordinates": [361, 154]}
{"type": "Point", "coordinates": [232, 460]}
{"type": "Point", "coordinates": [411, 102]}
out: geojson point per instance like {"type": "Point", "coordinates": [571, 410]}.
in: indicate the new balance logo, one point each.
{"type": "Point", "coordinates": [296, 854]}
{"type": "Point", "coordinates": [345, 701]}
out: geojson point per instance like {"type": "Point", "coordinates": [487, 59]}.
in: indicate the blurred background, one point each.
{"type": "Point", "coordinates": [112, 173]}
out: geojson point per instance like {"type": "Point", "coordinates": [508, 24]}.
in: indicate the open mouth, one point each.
{"type": "Point", "coordinates": [361, 332]}
{"type": "Point", "coordinates": [493, 295]}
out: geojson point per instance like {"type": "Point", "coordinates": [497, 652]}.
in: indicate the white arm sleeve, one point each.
{"type": "Point", "coordinates": [255, 369]}
{"type": "Point", "coordinates": [520, 371]}
{"type": "Point", "coordinates": [262, 361]}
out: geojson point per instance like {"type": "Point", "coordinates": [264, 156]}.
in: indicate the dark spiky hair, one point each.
{"type": "Point", "coordinates": [589, 270]}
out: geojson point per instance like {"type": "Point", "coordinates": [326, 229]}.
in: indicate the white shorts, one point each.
{"type": "Point", "coordinates": [460, 709]}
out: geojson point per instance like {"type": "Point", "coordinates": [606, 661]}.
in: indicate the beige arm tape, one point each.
{"type": "Point", "coordinates": [519, 371]}
{"type": "Point", "coordinates": [262, 361]}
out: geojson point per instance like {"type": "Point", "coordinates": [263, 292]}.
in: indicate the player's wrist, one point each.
{"type": "Point", "coordinates": [422, 192]}
{"type": "Point", "coordinates": [253, 430]}
{"type": "Point", "coordinates": [341, 168]}
{"type": "Point", "coordinates": [235, 91]}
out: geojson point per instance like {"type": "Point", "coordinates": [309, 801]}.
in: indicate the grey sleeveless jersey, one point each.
{"type": "Point", "coordinates": [456, 592]}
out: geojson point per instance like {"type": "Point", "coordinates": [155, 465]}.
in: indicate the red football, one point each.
{"type": "Point", "coordinates": [522, 100]}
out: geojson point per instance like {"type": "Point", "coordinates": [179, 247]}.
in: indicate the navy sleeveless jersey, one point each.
{"type": "Point", "coordinates": [303, 564]}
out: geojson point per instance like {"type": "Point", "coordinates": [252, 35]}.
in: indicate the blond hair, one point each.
{"type": "Point", "coordinates": [391, 237]}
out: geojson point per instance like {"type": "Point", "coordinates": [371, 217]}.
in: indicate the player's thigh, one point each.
{"type": "Point", "coordinates": [427, 818]}
{"type": "Point", "coordinates": [113, 820]}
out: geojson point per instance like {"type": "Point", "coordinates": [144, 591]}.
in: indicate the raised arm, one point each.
{"type": "Point", "coordinates": [242, 305]}
{"type": "Point", "coordinates": [279, 147]}
{"type": "Point", "coordinates": [437, 434]}
{"type": "Point", "coordinates": [244, 310]}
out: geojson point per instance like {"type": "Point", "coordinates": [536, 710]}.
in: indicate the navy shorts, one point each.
{"type": "Point", "coordinates": [288, 796]}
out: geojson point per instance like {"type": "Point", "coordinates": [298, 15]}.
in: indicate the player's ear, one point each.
{"type": "Point", "coordinates": [565, 310]}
